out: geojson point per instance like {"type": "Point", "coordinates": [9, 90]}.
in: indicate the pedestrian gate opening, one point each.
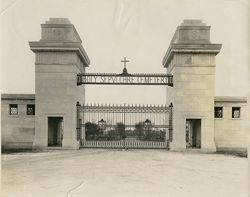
{"type": "Point", "coordinates": [193, 133]}
{"type": "Point", "coordinates": [55, 134]}
{"type": "Point", "coordinates": [124, 126]}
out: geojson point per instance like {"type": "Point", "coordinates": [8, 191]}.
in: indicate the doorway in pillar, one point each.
{"type": "Point", "coordinates": [193, 133]}
{"type": "Point", "coordinates": [55, 131]}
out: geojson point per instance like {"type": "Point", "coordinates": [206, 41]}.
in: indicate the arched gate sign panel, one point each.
{"type": "Point", "coordinates": [124, 126]}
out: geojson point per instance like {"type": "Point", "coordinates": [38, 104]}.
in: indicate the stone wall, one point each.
{"type": "Point", "coordinates": [231, 133]}
{"type": "Point", "coordinates": [17, 131]}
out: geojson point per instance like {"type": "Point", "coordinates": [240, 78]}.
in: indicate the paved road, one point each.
{"type": "Point", "coordinates": [147, 173]}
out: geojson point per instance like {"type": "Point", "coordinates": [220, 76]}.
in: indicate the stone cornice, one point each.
{"type": "Point", "coordinates": [230, 99]}
{"type": "Point", "coordinates": [189, 48]}
{"type": "Point", "coordinates": [193, 27]}
{"type": "Point", "coordinates": [63, 26]}
{"type": "Point", "coordinates": [18, 96]}
{"type": "Point", "coordinates": [61, 46]}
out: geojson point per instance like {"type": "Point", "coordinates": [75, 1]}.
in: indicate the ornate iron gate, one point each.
{"type": "Point", "coordinates": [124, 126]}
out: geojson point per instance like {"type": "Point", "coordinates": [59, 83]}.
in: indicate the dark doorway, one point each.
{"type": "Point", "coordinates": [55, 127]}
{"type": "Point", "coordinates": [193, 133]}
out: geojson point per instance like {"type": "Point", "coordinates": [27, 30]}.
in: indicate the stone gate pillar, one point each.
{"type": "Point", "coordinates": [191, 59]}
{"type": "Point", "coordinates": [59, 58]}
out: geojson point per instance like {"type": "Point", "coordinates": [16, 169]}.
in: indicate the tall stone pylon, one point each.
{"type": "Point", "coordinates": [190, 58]}
{"type": "Point", "coordinates": [59, 57]}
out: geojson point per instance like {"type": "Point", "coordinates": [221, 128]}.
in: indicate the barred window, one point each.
{"type": "Point", "coordinates": [13, 109]}
{"type": "Point", "coordinates": [235, 112]}
{"type": "Point", "coordinates": [30, 109]}
{"type": "Point", "coordinates": [218, 112]}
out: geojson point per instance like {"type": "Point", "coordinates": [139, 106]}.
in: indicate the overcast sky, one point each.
{"type": "Point", "coordinates": [141, 30]}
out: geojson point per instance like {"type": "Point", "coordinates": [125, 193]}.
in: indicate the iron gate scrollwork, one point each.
{"type": "Point", "coordinates": [124, 126]}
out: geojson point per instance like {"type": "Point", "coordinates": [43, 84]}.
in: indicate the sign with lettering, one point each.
{"type": "Point", "coordinates": [124, 79]}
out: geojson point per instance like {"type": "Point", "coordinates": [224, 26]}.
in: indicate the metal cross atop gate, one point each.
{"type": "Point", "coordinates": [124, 61]}
{"type": "Point", "coordinates": [124, 126]}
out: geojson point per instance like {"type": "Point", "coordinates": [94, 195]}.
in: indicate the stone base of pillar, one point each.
{"type": "Point", "coordinates": [71, 144]}
{"type": "Point", "coordinates": [209, 146]}
{"type": "Point", "coordinates": [39, 147]}
{"type": "Point", "coordinates": [67, 144]}
{"type": "Point", "coordinates": [177, 148]}
{"type": "Point", "coordinates": [211, 149]}
{"type": "Point", "coordinates": [39, 144]}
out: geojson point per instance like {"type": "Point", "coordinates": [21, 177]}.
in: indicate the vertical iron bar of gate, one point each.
{"type": "Point", "coordinates": [124, 122]}
{"type": "Point", "coordinates": [83, 135]}
{"type": "Point", "coordinates": [170, 122]}
{"type": "Point", "coordinates": [78, 120]}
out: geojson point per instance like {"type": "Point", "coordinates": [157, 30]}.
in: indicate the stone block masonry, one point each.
{"type": "Point", "coordinates": [59, 58]}
{"type": "Point", "coordinates": [190, 59]}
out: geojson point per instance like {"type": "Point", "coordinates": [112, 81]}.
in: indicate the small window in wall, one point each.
{"type": "Point", "coordinates": [235, 112]}
{"type": "Point", "coordinates": [13, 109]}
{"type": "Point", "coordinates": [218, 112]}
{"type": "Point", "coordinates": [30, 109]}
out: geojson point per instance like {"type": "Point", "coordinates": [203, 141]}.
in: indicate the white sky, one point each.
{"type": "Point", "coordinates": [141, 30]}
